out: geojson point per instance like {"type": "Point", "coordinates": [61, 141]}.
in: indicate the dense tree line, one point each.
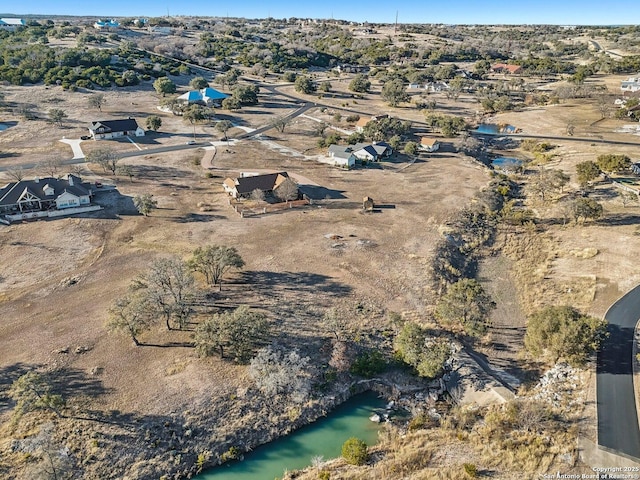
{"type": "Point", "coordinates": [25, 58]}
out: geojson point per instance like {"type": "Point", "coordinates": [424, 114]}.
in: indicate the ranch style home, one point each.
{"type": "Point", "coordinates": [245, 185]}
{"type": "Point", "coordinates": [106, 129]}
{"type": "Point", "coordinates": [347, 155]}
{"type": "Point", "coordinates": [41, 194]}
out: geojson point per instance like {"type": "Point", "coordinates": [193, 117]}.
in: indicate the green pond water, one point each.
{"type": "Point", "coordinates": [323, 437]}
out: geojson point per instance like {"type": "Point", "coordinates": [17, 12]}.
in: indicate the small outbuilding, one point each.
{"type": "Point", "coordinates": [429, 144]}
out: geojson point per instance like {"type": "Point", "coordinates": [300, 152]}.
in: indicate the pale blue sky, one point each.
{"type": "Point", "coordinates": [560, 12]}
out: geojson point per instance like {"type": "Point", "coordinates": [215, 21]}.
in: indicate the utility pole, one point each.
{"type": "Point", "coordinates": [395, 28]}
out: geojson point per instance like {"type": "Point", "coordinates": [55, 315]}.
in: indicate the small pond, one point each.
{"type": "Point", "coordinates": [295, 451]}
{"type": "Point", "coordinates": [506, 163]}
{"type": "Point", "coordinates": [6, 125]}
{"type": "Point", "coordinates": [493, 129]}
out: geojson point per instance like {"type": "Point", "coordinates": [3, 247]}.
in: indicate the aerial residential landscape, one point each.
{"type": "Point", "coordinates": [321, 242]}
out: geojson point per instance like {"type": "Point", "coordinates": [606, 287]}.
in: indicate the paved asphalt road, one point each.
{"type": "Point", "coordinates": [617, 416]}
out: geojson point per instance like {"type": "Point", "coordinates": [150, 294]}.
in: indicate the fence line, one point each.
{"type": "Point", "coordinates": [270, 208]}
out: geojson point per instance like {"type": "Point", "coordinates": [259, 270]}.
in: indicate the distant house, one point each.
{"type": "Point", "coordinates": [364, 121]}
{"type": "Point", "coordinates": [361, 123]}
{"type": "Point", "coordinates": [631, 85]}
{"type": "Point", "coordinates": [207, 96]}
{"type": "Point", "coordinates": [42, 194]}
{"type": "Point", "coordinates": [429, 144]}
{"type": "Point", "coordinates": [429, 86]}
{"type": "Point", "coordinates": [160, 30]}
{"type": "Point", "coordinates": [348, 68]}
{"type": "Point", "coordinates": [110, 24]}
{"type": "Point", "coordinates": [635, 168]}
{"type": "Point", "coordinates": [244, 186]}
{"type": "Point", "coordinates": [107, 129]}
{"type": "Point", "coordinates": [342, 156]}
{"type": "Point", "coordinates": [11, 23]}
{"type": "Point", "coordinates": [506, 68]}
{"type": "Point", "coordinates": [140, 22]}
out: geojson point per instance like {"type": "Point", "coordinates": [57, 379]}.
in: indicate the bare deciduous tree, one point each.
{"type": "Point", "coordinates": [105, 157]}
{"type": "Point", "coordinates": [287, 190]}
{"type": "Point", "coordinates": [168, 290]}
{"type": "Point", "coordinates": [130, 315]}
{"type": "Point", "coordinates": [51, 166]}
{"type": "Point", "coordinates": [280, 123]}
{"type": "Point", "coordinates": [17, 173]}
{"type": "Point", "coordinates": [96, 101]}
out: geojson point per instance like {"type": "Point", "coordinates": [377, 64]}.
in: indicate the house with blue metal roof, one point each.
{"type": "Point", "coordinates": [206, 96]}
{"type": "Point", "coordinates": [106, 24]}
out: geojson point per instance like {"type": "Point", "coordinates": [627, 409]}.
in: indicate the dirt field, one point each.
{"type": "Point", "coordinates": [55, 292]}
{"type": "Point", "coordinates": [59, 277]}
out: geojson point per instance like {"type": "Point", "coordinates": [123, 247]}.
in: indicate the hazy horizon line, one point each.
{"type": "Point", "coordinates": [8, 15]}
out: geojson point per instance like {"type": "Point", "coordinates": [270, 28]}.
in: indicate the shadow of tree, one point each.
{"type": "Point", "coordinates": [8, 375]}
{"type": "Point", "coordinates": [70, 382]}
{"type": "Point", "coordinates": [293, 281]}
{"type": "Point", "coordinates": [198, 217]}
{"type": "Point", "coordinates": [158, 172]}
{"type": "Point", "coordinates": [115, 203]}
{"type": "Point", "coordinates": [616, 353]}
{"type": "Point", "coordinates": [619, 219]}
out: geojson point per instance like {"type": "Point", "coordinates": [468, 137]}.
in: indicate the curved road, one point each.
{"type": "Point", "coordinates": [617, 416]}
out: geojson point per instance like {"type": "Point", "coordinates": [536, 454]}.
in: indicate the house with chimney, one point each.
{"type": "Point", "coordinates": [45, 197]}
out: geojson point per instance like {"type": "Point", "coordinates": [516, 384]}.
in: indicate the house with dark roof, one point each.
{"type": "Point", "coordinates": [244, 185]}
{"type": "Point", "coordinates": [44, 194]}
{"type": "Point", "coordinates": [107, 129]}
{"type": "Point", "coordinates": [372, 152]}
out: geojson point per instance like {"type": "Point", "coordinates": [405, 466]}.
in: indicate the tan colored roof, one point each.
{"type": "Point", "coordinates": [428, 142]}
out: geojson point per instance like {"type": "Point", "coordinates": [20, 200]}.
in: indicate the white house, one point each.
{"type": "Point", "coordinates": [42, 194]}
{"type": "Point", "coordinates": [631, 85]}
{"type": "Point", "coordinates": [107, 129]}
{"type": "Point", "coordinates": [429, 144]}
{"type": "Point", "coordinates": [342, 156]}
{"type": "Point", "coordinates": [11, 23]}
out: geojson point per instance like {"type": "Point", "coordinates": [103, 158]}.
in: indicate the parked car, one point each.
{"type": "Point", "coordinates": [98, 185]}
{"type": "Point", "coordinates": [85, 137]}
